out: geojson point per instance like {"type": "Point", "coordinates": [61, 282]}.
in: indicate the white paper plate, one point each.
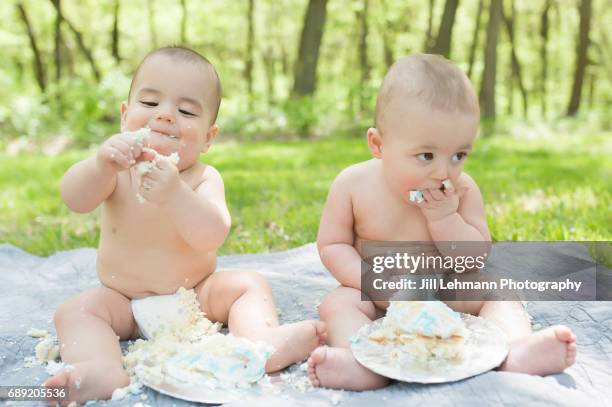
{"type": "Point", "coordinates": [200, 394]}
{"type": "Point", "coordinates": [485, 349]}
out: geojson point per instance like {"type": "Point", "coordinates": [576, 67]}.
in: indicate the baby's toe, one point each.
{"type": "Point", "coordinates": [317, 356]}
{"type": "Point", "coordinates": [564, 334]}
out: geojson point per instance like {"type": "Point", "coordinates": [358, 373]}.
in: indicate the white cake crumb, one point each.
{"type": "Point", "coordinates": [119, 394]}
{"type": "Point", "coordinates": [53, 367]}
{"type": "Point", "coordinates": [336, 398]}
{"type": "Point", "coordinates": [447, 184]}
{"type": "Point", "coordinates": [47, 349]}
{"type": "Point", "coordinates": [141, 135]}
{"type": "Point", "coordinates": [37, 333]}
{"type": "Point", "coordinates": [416, 196]}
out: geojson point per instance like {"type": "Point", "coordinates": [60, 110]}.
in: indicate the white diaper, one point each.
{"type": "Point", "coordinates": [156, 312]}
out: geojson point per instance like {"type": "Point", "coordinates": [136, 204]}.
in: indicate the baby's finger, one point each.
{"type": "Point", "coordinates": [427, 195]}
{"type": "Point", "coordinates": [154, 174]}
{"type": "Point", "coordinates": [437, 194]}
{"type": "Point", "coordinates": [118, 157]}
{"type": "Point", "coordinates": [164, 164]}
{"type": "Point", "coordinates": [146, 154]}
{"type": "Point", "coordinates": [124, 147]}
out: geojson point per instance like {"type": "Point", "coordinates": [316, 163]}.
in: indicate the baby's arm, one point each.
{"type": "Point", "coordinates": [335, 238]}
{"type": "Point", "coordinates": [90, 182]}
{"type": "Point", "coordinates": [201, 215]}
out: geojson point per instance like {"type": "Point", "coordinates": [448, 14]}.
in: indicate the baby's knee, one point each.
{"type": "Point", "coordinates": [86, 303]}
{"type": "Point", "coordinates": [341, 298]}
{"type": "Point", "coordinates": [251, 281]}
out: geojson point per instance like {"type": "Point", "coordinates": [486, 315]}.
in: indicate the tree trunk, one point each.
{"type": "Point", "coordinates": [57, 53]}
{"type": "Point", "coordinates": [308, 55]}
{"type": "Point", "coordinates": [591, 90]}
{"type": "Point", "coordinates": [151, 17]}
{"type": "Point", "coordinates": [184, 22]}
{"type": "Point", "coordinates": [428, 40]}
{"type": "Point", "coordinates": [388, 32]}
{"type": "Point", "coordinates": [445, 31]}
{"type": "Point", "coordinates": [581, 57]}
{"type": "Point", "coordinates": [512, 72]}
{"type": "Point", "coordinates": [115, 33]}
{"type": "Point", "coordinates": [81, 44]}
{"type": "Point", "coordinates": [544, 55]}
{"type": "Point", "coordinates": [269, 68]}
{"type": "Point", "coordinates": [38, 65]}
{"type": "Point", "coordinates": [487, 87]}
{"type": "Point", "coordinates": [248, 66]}
{"type": "Point", "coordinates": [474, 40]}
{"type": "Point", "coordinates": [516, 66]}
{"type": "Point", "coordinates": [362, 16]}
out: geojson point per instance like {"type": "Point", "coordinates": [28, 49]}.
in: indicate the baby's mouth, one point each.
{"type": "Point", "coordinates": [163, 134]}
{"type": "Point", "coordinates": [163, 143]}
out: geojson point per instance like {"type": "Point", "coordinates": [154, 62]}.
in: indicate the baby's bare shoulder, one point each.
{"type": "Point", "coordinates": [355, 175]}
{"type": "Point", "coordinates": [201, 175]}
{"type": "Point", "coordinates": [467, 182]}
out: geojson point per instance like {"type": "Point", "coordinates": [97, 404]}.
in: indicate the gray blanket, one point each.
{"type": "Point", "coordinates": [33, 287]}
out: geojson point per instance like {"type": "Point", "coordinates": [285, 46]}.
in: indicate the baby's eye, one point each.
{"type": "Point", "coordinates": [459, 156]}
{"type": "Point", "coordinates": [186, 112]}
{"type": "Point", "coordinates": [146, 103]}
{"type": "Point", "coordinates": [425, 156]}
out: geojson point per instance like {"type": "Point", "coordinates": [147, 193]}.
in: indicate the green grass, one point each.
{"type": "Point", "coordinates": [553, 188]}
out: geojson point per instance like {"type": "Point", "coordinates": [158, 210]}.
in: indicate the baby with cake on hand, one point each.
{"type": "Point", "coordinates": [166, 240]}
{"type": "Point", "coordinates": [415, 189]}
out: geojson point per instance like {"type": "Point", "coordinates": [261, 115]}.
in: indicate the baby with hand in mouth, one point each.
{"type": "Point", "coordinates": [415, 189]}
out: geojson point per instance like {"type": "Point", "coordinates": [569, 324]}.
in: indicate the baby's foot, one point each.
{"type": "Point", "coordinates": [544, 352]}
{"type": "Point", "coordinates": [91, 380]}
{"type": "Point", "coordinates": [293, 342]}
{"type": "Point", "coordinates": [337, 368]}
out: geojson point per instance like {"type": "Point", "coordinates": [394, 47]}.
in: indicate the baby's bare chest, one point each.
{"type": "Point", "coordinates": [379, 218]}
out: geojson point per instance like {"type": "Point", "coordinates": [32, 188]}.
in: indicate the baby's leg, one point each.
{"type": "Point", "coordinates": [550, 350]}
{"type": "Point", "coordinates": [243, 300]}
{"type": "Point", "coordinates": [88, 329]}
{"type": "Point", "coordinates": [335, 366]}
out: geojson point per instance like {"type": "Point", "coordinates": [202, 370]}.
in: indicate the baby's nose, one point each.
{"type": "Point", "coordinates": [165, 116]}
{"type": "Point", "coordinates": [440, 172]}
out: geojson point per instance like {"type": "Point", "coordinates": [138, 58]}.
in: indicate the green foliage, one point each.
{"type": "Point", "coordinates": [85, 112]}
{"type": "Point", "coordinates": [344, 97]}
{"type": "Point", "coordinates": [553, 187]}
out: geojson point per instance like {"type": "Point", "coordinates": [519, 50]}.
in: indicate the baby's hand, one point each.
{"type": "Point", "coordinates": [438, 204]}
{"type": "Point", "coordinates": [121, 152]}
{"type": "Point", "coordinates": [161, 182]}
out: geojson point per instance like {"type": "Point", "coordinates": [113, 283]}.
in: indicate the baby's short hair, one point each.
{"type": "Point", "coordinates": [187, 55]}
{"type": "Point", "coordinates": [431, 80]}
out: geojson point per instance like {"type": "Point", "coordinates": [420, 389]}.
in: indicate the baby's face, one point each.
{"type": "Point", "coordinates": [422, 147]}
{"type": "Point", "coordinates": [173, 99]}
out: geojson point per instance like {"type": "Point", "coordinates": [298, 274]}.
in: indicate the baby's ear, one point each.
{"type": "Point", "coordinates": [123, 110]}
{"type": "Point", "coordinates": [210, 136]}
{"type": "Point", "coordinates": [375, 142]}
